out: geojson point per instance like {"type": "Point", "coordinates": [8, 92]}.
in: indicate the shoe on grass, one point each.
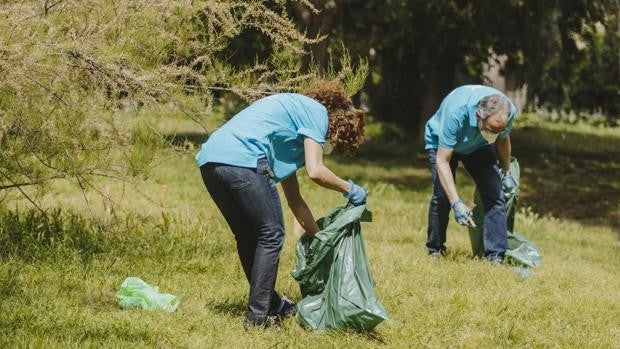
{"type": "Point", "coordinates": [287, 308]}
{"type": "Point", "coordinates": [434, 254]}
{"type": "Point", "coordinates": [495, 260]}
{"type": "Point", "coordinates": [269, 321]}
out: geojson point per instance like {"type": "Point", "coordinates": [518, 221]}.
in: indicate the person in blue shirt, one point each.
{"type": "Point", "coordinates": [264, 144]}
{"type": "Point", "coordinates": [472, 125]}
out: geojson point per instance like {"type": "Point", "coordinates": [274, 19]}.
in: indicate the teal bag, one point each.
{"type": "Point", "coordinates": [334, 276]}
{"type": "Point", "coordinates": [135, 293]}
{"type": "Point", "coordinates": [519, 250]}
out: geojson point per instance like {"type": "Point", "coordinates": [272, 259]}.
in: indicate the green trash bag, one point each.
{"type": "Point", "coordinates": [334, 276]}
{"type": "Point", "coordinates": [135, 293]}
{"type": "Point", "coordinates": [519, 250]}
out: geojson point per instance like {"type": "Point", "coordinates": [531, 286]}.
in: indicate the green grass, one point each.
{"type": "Point", "coordinates": [571, 171]}
{"type": "Point", "coordinates": [62, 293]}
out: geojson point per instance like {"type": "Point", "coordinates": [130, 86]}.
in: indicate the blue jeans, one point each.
{"type": "Point", "coordinates": [483, 168]}
{"type": "Point", "coordinates": [249, 201]}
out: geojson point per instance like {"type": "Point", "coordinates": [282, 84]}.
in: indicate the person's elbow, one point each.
{"type": "Point", "coordinates": [443, 156]}
{"type": "Point", "coordinates": [315, 172]}
{"type": "Point", "coordinates": [442, 161]}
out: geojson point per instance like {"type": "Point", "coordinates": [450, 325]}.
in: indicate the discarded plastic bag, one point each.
{"type": "Point", "coordinates": [523, 251]}
{"type": "Point", "coordinates": [135, 293]}
{"type": "Point", "coordinates": [519, 250]}
{"type": "Point", "coordinates": [334, 276]}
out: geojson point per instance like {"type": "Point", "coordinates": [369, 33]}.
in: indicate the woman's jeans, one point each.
{"type": "Point", "coordinates": [249, 200]}
{"type": "Point", "coordinates": [482, 166]}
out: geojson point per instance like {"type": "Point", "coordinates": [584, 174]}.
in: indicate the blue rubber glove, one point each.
{"type": "Point", "coordinates": [356, 195]}
{"type": "Point", "coordinates": [509, 185]}
{"type": "Point", "coordinates": [463, 214]}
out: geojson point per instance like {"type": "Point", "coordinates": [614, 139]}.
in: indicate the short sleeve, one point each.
{"type": "Point", "coordinates": [449, 128]}
{"type": "Point", "coordinates": [312, 121]}
{"type": "Point", "coordinates": [307, 132]}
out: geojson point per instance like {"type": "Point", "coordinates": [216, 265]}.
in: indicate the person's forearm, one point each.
{"type": "Point", "coordinates": [324, 177]}
{"type": "Point", "coordinates": [447, 180]}
{"type": "Point", "coordinates": [503, 150]}
{"type": "Point", "coordinates": [304, 216]}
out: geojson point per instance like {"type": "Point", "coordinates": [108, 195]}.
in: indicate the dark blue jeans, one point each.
{"type": "Point", "coordinates": [483, 168]}
{"type": "Point", "coordinates": [249, 200]}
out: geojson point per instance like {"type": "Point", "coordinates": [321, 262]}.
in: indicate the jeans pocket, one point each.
{"type": "Point", "coordinates": [236, 178]}
{"type": "Point", "coordinates": [239, 184]}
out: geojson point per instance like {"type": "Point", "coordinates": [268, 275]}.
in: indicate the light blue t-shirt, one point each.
{"type": "Point", "coordinates": [273, 127]}
{"type": "Point", "coordinates": [455, 126]}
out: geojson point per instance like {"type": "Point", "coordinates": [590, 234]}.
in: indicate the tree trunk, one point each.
{"type": "Point", "coordinates": [408, 98]}
{"type": "Point", "coordinates": [396, 94]}
{"type": "Point", "coordinates": [317, 25]}
{"type": "Point", "coordinates": [437, 84]}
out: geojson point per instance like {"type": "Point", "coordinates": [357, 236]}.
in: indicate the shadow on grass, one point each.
{"type": "Point", "coordinates": [228, 307]}
{"type": "Point", "coordinates": [403, 177]}
{"type": "Point", "coordinates": [566, 174]}
{"type": "Point", "coordinates": [459, 255]}
{"type": "Point", "coordinates": [569, 174]}
{"type": "Point", "coordinates": [393, 162]}
{"type": "Point", "coordinates": [182, 138]}
{"type": "Point", "coordinates": [391, 152]}
{"type": "Point", "coordinates": [56, 234]}
{"type": "Point", "coordinates": [238, 308]}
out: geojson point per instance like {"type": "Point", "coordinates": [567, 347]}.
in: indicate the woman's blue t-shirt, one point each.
{"type": "Point", "coordinates": [273, 127]}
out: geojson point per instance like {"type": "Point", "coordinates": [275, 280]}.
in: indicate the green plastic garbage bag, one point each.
{"type": "Point", "coordinates": [334, 276]}
{"type": "Point", "coordinates": [522, 251]}
{"type": "Point", "coordinates": [135, 293]}
{"type": "Point", "coordinates": [519, 250]}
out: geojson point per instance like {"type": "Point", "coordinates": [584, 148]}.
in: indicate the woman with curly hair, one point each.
{"type": "Point", "coordinates": [265, 144]}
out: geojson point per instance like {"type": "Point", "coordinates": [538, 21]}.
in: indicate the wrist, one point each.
{"type": "Point", "coordinates": [350, 187]}
{"type": "Point", "coordinates": [458, 199]}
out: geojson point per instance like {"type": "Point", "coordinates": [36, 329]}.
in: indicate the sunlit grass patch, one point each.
{"type": "Point", "coordinates": [176, 239]}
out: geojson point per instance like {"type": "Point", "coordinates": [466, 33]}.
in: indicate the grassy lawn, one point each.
{"type": "Point", "coordinates": [61, 292]}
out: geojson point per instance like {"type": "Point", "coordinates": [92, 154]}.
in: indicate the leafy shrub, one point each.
{"type": "Point", "coordinates": [570, 117]}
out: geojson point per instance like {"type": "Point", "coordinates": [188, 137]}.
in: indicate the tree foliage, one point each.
{"type": "Point", "coordinates": [70, 66]}
{"type": "Point", "coordinates": [567, 52]}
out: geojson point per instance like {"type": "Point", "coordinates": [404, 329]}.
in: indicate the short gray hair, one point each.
{"type": "Point", "coordinates": [494, 104]}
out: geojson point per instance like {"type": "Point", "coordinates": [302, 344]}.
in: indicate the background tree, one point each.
{"type": "Point", "coordinates": [565, 51]}
{"type": "Point", "coordinates": [568, 54]}
{"type": "Point", "coordinates": [318, 20]}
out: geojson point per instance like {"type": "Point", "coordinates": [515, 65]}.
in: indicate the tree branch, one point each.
{"type": "Point", "coordinates": [48, 6]}
{"type": "Point", "coordinates": [26, 184]}
{"type": "Point", "coordinates": [23, 193]}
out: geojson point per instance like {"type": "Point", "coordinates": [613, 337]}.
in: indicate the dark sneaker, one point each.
{"type": "Point", "coordinates": [287, 308]}
{"type": "Point", "coordinates": [270, 321]}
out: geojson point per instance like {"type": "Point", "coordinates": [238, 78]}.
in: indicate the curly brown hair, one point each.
{"type": "Point", "coordinates": [346, 123]}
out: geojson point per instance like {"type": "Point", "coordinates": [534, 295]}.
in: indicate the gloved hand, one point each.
{"type": "Point", "coordinates": [356, 195]}
{"type": "Point", "coordinates": [509, 185]}
{"type": "Point", "coordinates": [463, 214]}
